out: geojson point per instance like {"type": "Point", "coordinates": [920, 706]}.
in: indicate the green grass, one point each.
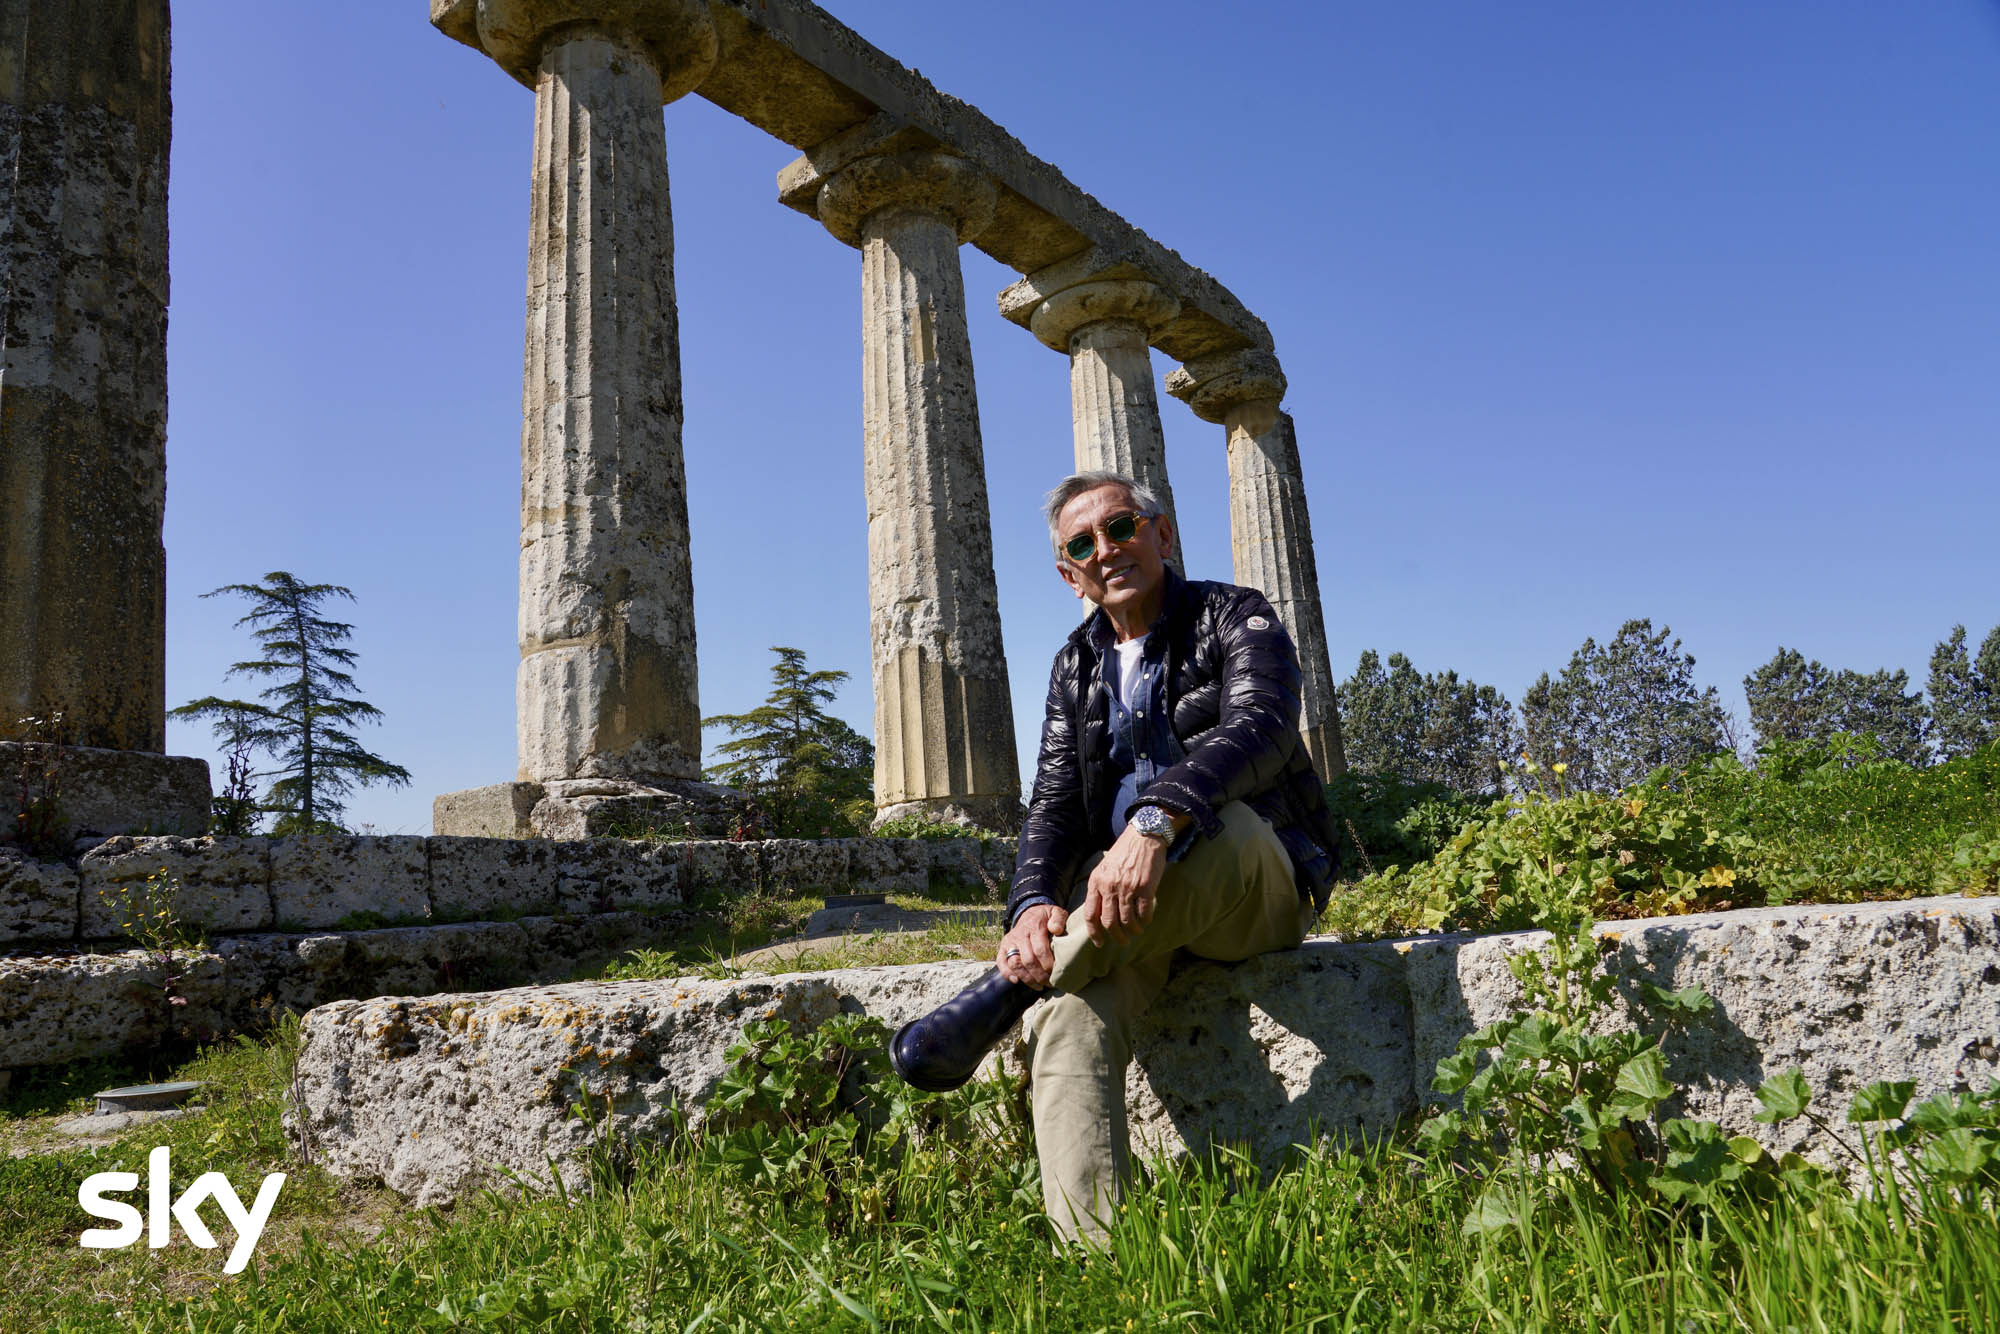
{"type": "Point", "coordinates": [1372, 1240]}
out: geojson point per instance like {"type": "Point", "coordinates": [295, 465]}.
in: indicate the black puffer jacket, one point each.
{"type": "Point", "coordinates": [1232, 683]}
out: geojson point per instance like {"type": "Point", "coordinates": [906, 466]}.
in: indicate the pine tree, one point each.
{"type": "Point", "coordinates": [306, 724]}
{"type": "Point", "coordinates": [1428, 727]}
{"type": "Point", "coordinates": [811, 773]}
{"type": "Point", "coordinates": [1795, 699]}
{"type": "Point", "coordinates": [1621, 711]}
{"type": "Point", "coordinates": [1965, 695]}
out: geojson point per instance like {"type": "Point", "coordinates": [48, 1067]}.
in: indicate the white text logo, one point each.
{"type": "Point", "coordinates": [158, 1221]}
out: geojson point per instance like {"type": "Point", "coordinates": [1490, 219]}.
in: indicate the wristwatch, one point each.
{"type": "Point", "coordinates": [1153, 822]}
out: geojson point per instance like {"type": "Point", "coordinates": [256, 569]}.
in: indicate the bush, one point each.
{"type": "Point", "coordinates": [1389, 821]}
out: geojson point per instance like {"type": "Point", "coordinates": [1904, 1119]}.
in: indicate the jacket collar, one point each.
{"type": "Point", "coordinates": [1096, 633]}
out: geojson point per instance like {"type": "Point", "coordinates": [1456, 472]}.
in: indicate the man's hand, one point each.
{"type": "Point", "coordinates": [1033, 957]}
{"type": "Point", "coordinates": [1119, 902]}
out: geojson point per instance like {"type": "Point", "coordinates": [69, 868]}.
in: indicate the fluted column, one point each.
{"type": "Point", "coordinates": [607, 683]}
{"type": "Point", "coordinates": [1270, 531]}
{"type": "Point", "coordinates": [1104, 326]}
{"type": "Point", "coordinates": [84, 130]}
{"type": "Point", "coordinates": [944, 727]}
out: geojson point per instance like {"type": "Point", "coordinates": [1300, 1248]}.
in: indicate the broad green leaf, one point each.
{"type": "Point", "coordinates": [1746, 1150]}
{"type": "Point", "coordinates": [1686, 1001]}
{"type": "Point", "coordinates": [1530, 1041]}
{"type": "Point", "coordinates": [1645, 1076]}
{"type": "Point", "coordinates": [1454, 1072]}
{"type": "Point", "coordinates": [1884, 1100]}
{"type": "Point", "coordinates": [1496, 1210]}
{"type": "Point", "coordinates": [1958, 1155]}
{"type": "Point", "coordinates": [1784, 1096]}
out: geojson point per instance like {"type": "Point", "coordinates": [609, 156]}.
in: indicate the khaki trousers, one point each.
{"type": "Point", "coordinates": [1232, 897]}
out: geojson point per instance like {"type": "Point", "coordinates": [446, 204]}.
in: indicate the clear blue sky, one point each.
{"type": "Point", "coordinates": [1590, 311]}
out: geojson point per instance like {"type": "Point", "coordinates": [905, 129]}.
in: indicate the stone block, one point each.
{"type": "Point", "coordinates": [38, 900]}
{"type": "Point", "coordinates": [599, 875]}
{"type": "Point", "coordinates": [500, 810]}
{"type": "Point", "coordinates": [439, 1096]}
{"type": "Point", "coordinates": [322, 880]}
{"type": "Point", "coordinates": [889, 865]}
{"type": "Point", "coordinates": [717, 865]}
{"type": "Point", "coordinates": [956, 862]}
{"type": "Point", "coordinates": [108, 792]}
{"type": "Point", "coordinates": [795, 866]}
{"type": "Point", "coordinates": [77, 1006]}
{"type": "Point", "coordinates": [223, 884]}
{"type": "Point", "coordinates": [474, 878]}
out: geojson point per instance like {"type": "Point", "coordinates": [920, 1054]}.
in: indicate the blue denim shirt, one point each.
{"type": "Point", "coordinates": [1142, 736]}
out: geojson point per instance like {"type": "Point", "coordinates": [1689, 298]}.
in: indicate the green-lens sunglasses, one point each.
{"type": "Point", "coordinates": [1119, 530]}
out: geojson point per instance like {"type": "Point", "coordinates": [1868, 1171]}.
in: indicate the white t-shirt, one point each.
{"type": "Point", "coordinates": [1130, 654]}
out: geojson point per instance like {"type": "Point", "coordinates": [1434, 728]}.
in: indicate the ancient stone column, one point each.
{"type": "Point", "coordinates": [1269, 529]}
{"type": "Point", "coordinates": [84, 132]}
{"type": "Point", "coordinates": [944, 727]}
{"type": "Point", "coordinates": [606, 696]}
{"type": "Point", "coordinates": [1104, 326]}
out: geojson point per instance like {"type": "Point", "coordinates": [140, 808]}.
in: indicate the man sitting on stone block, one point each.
{"type": "Point", "coordinates": [1174, 808]}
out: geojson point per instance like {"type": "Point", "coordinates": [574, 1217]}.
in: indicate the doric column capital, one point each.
{"type": "Point", "coordinates": [677, 36]}
{"type": "Point", "coordinates": [922, 181]}
{"type": "Point", "coordinates": [1215, 385]}
{"type": "Point", "coordinates": [1135, 300]}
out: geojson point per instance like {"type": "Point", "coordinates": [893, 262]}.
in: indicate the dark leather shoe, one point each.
{"type": "Point", "coordinates": [940, 1051]}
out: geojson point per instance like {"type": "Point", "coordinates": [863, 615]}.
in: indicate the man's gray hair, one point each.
{"type": "Point", "coordinates": [1075, 485]}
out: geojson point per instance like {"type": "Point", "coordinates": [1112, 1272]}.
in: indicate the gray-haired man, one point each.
{"type": "Point", "coordinates": [1174, 807]}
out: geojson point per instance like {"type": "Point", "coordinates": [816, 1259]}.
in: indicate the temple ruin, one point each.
{"type": "Point", "coordinates": [607, 699]}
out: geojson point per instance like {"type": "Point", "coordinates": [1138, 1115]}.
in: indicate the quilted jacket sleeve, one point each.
{"type": "Point", "coordinates": [1055, 833]}
{"type": "Point", "coordinates": [1257, 729]}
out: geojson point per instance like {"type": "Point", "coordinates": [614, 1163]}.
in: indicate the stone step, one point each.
{"type": "Point", "coordinates": [229, 885]}
{"type": "Point", "coordinates": [440, 1095]}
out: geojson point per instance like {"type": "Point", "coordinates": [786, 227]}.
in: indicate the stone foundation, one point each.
{"type": "Point", "coordinates": [437, 1096]}
{"type": "Point", "coordinates": [104, 792]}
{"type": "Point", "coordinates": [590, 808]}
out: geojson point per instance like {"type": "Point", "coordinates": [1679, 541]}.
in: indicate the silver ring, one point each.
{"type": "Point", "coordinates": [1013, 954]}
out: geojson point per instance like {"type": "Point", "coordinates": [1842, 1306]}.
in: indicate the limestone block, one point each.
{"type": "Point", "coordinates": [598, 875]}
{"type": "Point", "coordinates": [438, 1096]}
{"type": "Point", "coordinates": [955, 861]}
{"type": "Point", "coordinates": [803, 865]}
{"type": "Point", "coordinates": [474, 878]}
{"type": "Point", "coordinates": [716, 864]}
{"type": "Point", "coordinates": [108, 792]}
{"type": "Point", "coordinates": [499, 810]}
{"type": "Point", "coordinates": [889, 865]}
{"type": "Point", "coordinates": [224, 884]}
{"type": "Point", "coordinates": [299, 972]}
{"type": "Point", "coordinates": [998, 855]}
{"type": "Point", "coordinates": [1269, 1052]}
{"type": "Point", "coordinates": [1849, 994]}
{"type": "Point", "coordinates": [320, 880]}
{"type": "Point", "coordinates": [38, 900]}
{"type": "Point", "coordinates": [76, 1006]}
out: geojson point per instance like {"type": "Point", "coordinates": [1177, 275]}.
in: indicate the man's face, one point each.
{"type": "Point", "coordinates": [1119, 578]}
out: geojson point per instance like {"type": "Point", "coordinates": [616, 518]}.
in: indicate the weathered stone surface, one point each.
{"type": "Point", "coordinates": [101, 793]}
{"type": "Point", "coordinates": [944, 727]}
{"type": "Point", "coordinates": [1848, 994]}
{"type": "Point", "coordinates": [56, 1008]}
{"type": "Point", "coordinates": [38, 900]}
{"type": "Point", "coordinates": [1337, 1039]}
{"type": "Point", "coordinates": [889, 865]}
{"type": "Point", "coordinates": [476, 877]}
{"type": "Point", "coordinates": [607, 683]}
{"type": "Point", "coordinates": [84, 134]}
{"type": "Point", "coordinates": [72, 1007]}
{"type": "Point", "coordinates": [484, 1084]}
{"type": "Point", "coordinates": [716, 864]}
{"type": "Point", "coordinates": [607, 875]}
{"type": "Point", "coordinates": [620, 808]}
{"type": "Point", "coordinates": [319, 881]}
{"type": "Point", "coordinates": [224, 884]}
{"type": "Point", "coordinates": [803, 865]}
{"type": "Point", "coordinates": [498, 810]}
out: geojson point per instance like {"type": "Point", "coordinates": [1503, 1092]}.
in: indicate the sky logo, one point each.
{"type": "Point", "coordinates": [161, 1215]}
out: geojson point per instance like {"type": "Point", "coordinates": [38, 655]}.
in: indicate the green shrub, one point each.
{"type": "Point", "coordinates": [1389, 821]}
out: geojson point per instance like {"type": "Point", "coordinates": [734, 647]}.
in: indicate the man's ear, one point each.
{"type": "Point", "coordinates": [1165, 528]}
{"type": "Point", "coordinates": [1068, 576]}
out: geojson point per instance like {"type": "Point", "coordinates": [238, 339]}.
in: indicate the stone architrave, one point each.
{"type": "Point", "coordinates": [1104, 325]}
{"type": "Point", "coordinates": [944, 728]}
{"type": "Point", "coordinates": [1270, 531]}
{"type": "Point", "coordinates": [84, 132]}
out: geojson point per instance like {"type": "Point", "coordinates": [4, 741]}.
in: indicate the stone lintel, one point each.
{"type": "Point", "coordinates": [679, 35]}
{"type": "Point", "coordinates": [800, 181]}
